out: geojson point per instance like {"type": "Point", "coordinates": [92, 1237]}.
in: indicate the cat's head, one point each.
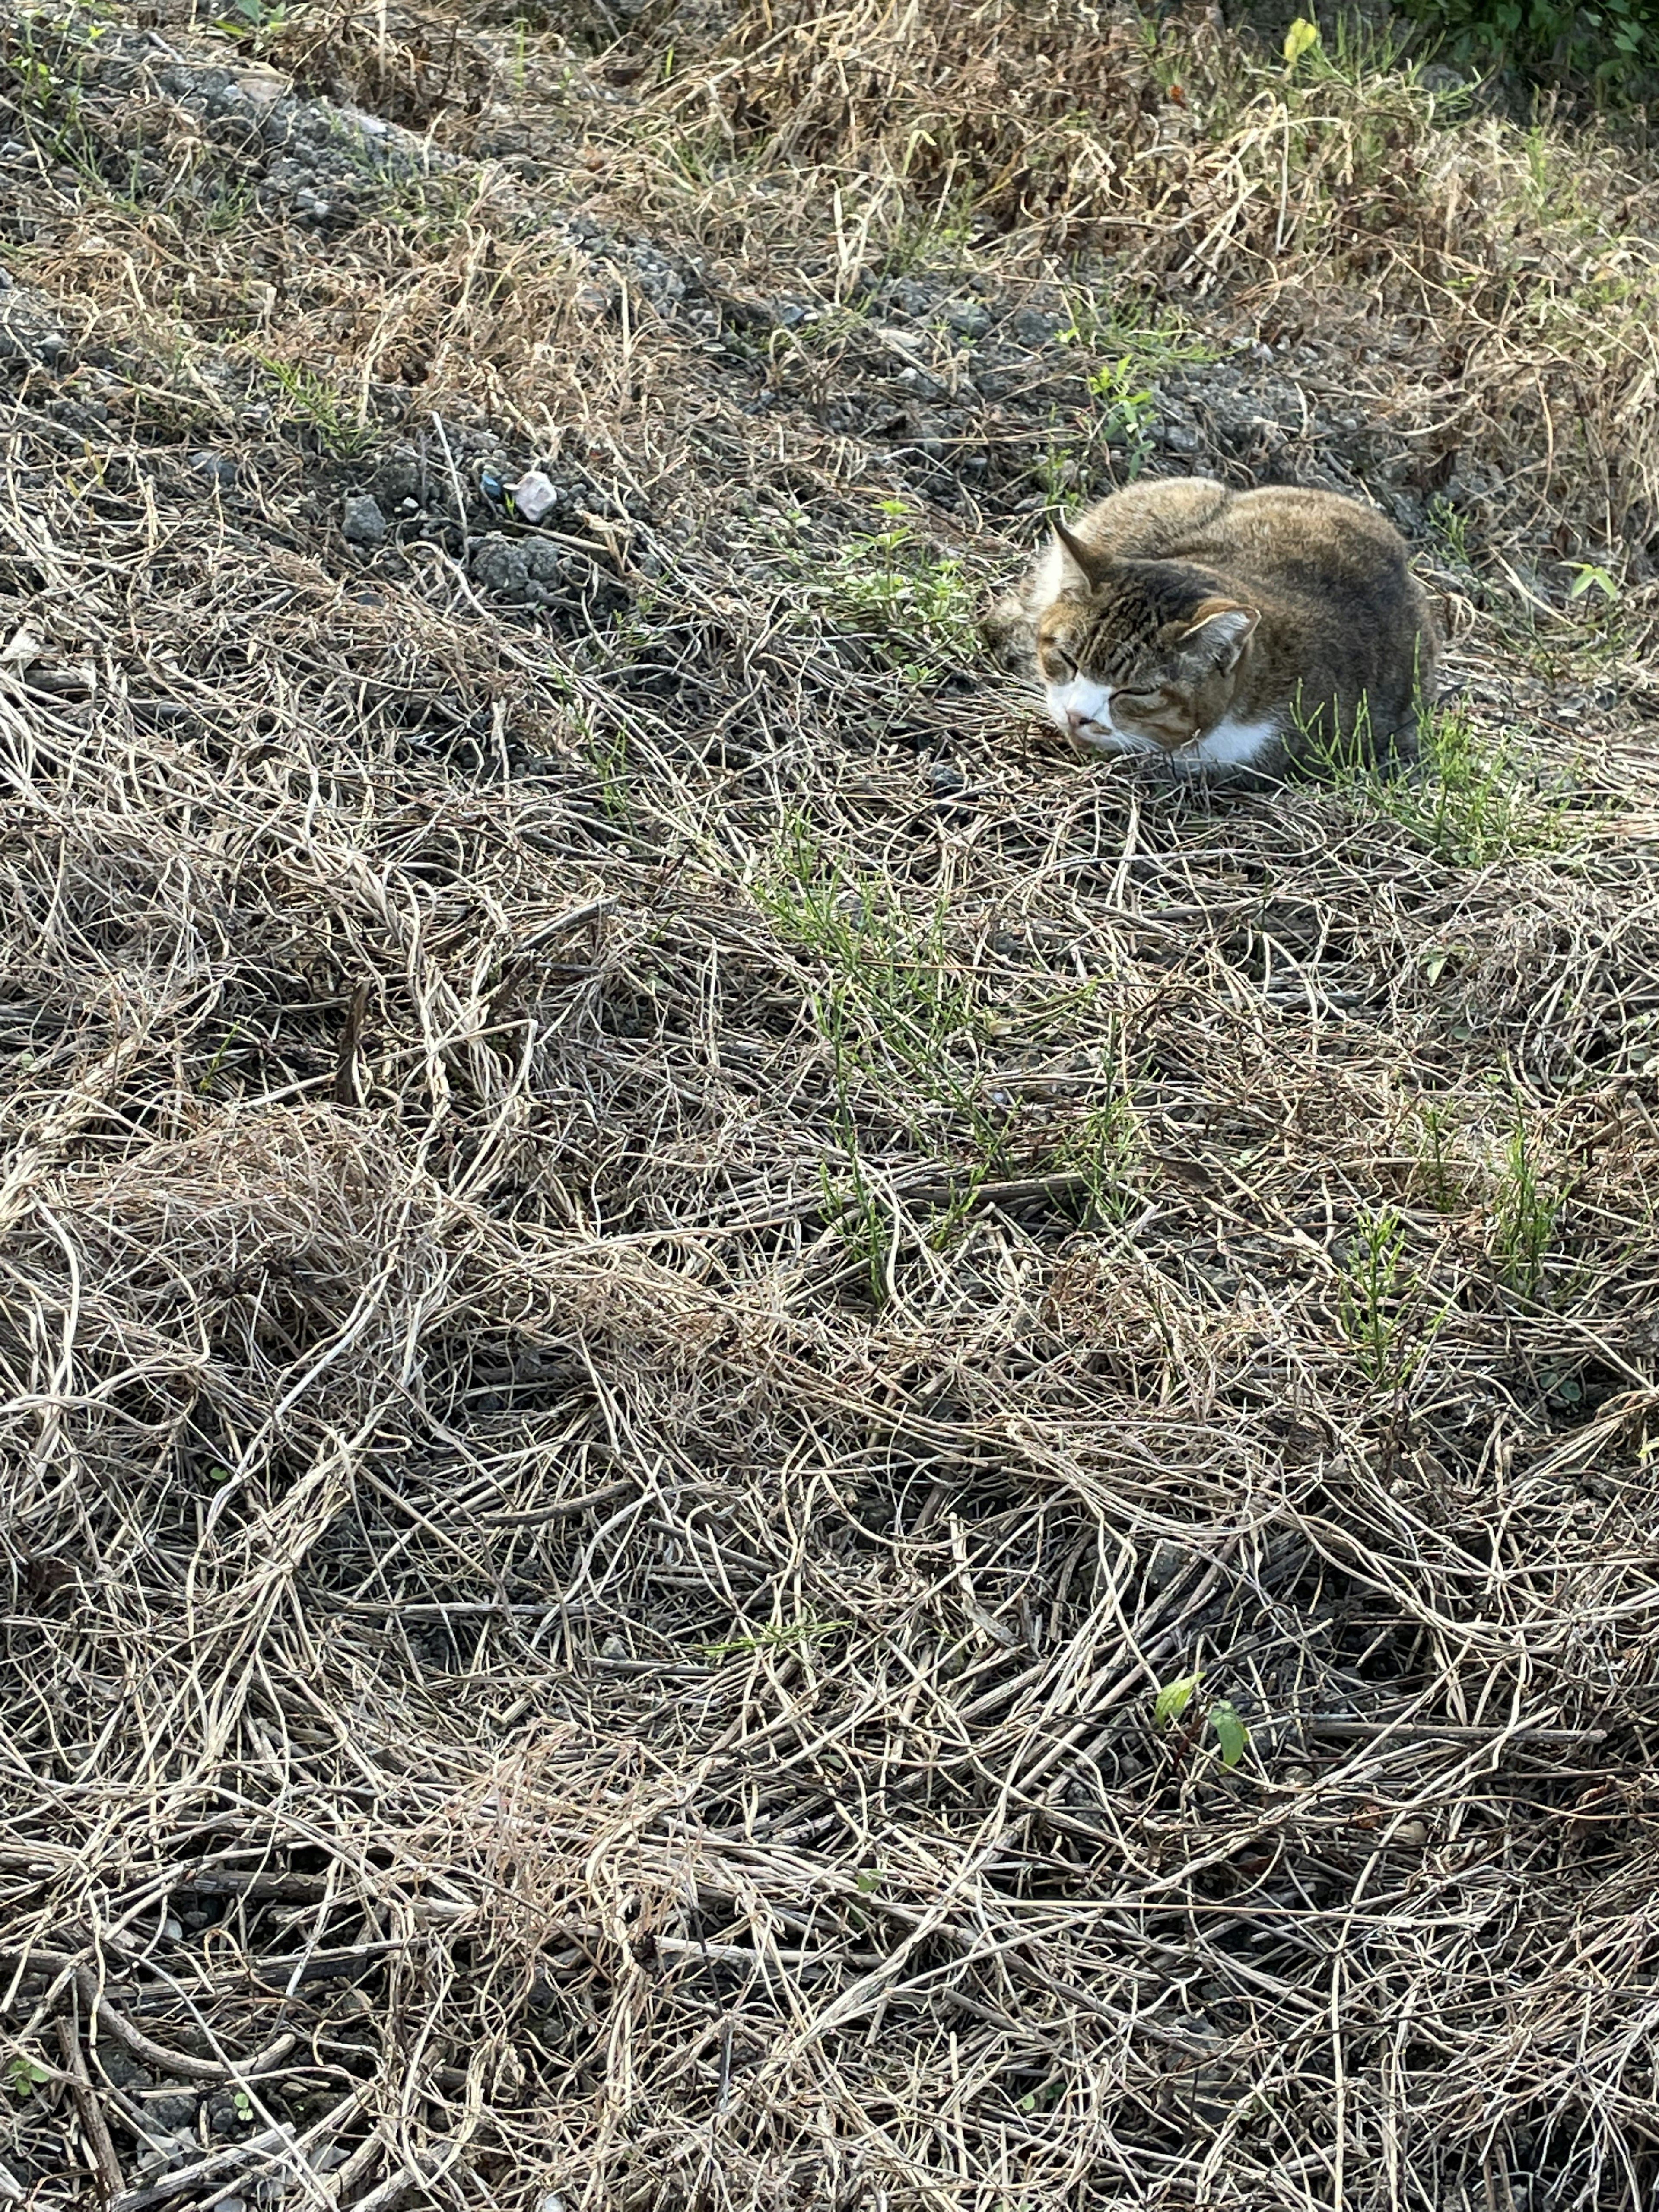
{"type": "Point", "coordinates": [1136, 655]}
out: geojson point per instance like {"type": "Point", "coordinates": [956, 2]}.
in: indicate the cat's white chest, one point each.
{"type": "Point", "coordinates": [1231, 744]}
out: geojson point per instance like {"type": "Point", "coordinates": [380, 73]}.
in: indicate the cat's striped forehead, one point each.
{"type": "Point", "coordinates": [1124, 627]}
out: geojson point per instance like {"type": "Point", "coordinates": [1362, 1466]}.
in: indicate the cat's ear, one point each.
{"type": "Point", "coordinates": [1080, 565]}
{"type": "Point", "coordinates": [1219, 631]}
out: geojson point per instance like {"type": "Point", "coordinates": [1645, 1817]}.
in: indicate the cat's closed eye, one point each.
{"type": "Point", "coordinates": [1133, 698]}
{"type": "Point", "coordinates": [1058, 665]}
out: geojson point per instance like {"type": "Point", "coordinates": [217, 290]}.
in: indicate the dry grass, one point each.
{"type": "Point", "coordinates": [655, 1274]}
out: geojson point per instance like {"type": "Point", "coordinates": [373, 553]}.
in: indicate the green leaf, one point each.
{"type": "Point", "coordinates": [1173, 1699]}
{"type": "Point", "coordinates": [25, 2077]}
{"type": "Point", "coordinates": [1587, 573]}
{"type": "Point", "coordinates": [1298, 39]}
{"type": "Point", "coordinates": [1230, 1734]}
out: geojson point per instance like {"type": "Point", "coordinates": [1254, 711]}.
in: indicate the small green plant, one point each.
{"type": "Point", "coordinates": [1381, 1301]}
{"type": "Point", "coordinates": [1526, 1214]}
{"type": "Point", "coordinates": [339, 430]}
{"type": "Point", "coordinates": [1451, 528]}
{"type": "Point", "coordinates": [894, 1001]}
{"type": "Point", "coordinates": [1588, 575]}
{"type": "Point", "coordinates": [1439, 1181]}
{"type": "Point", "coordinates": [1468, 798]}
{"type": "Point", "coordinates": [918, 603]}
{"type": "Point", "coordinates": [1181, 1699]}
{"type": "Point", "coordinates": [1151, 336]}
{"type": "Point", "coordinates": [1104, 1145]}
{"type": "Point", "coordinates": [1129, 408]}
{"type": "Point", "coordinates": [1301, 36]}
{"type": "Point", "coordinates": [780, 1636]}
{"type": "Point", "coordinates": [252, 19]}
{"type": "Point", "coordinates": [24, 2077]}
{"type": "Point", "coordinates": [206, 1079]}
{"type": "Point", "coordinates": [865, 1225]}
{"type": "Point", "coordinates": [607, 754]}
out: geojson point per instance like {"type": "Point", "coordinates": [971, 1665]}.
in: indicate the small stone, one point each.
{"type": "Point", "coordinates": [172, 2113]}
{"type": "Point", "coordinates": [945, 778]}
{"type": "Point", "coordinates": [613, 1648]}
{"type": "Point", "coordinates": [533, 496]}
{"type": "Point", "coordinates": [229, 2204]}
{"type": "Point", "coordinates": [362, 522]}
{"type": "Point", "coordinates": [501, 566]}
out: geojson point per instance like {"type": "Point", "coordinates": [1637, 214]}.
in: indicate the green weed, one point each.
{"type": "Point", "coordinates": [1526, 1214]}
{"type": "Point", "coordinates": [1381, 1301]}
{"type": "Point", "coordinates": [24, 2077]}
{"type": "Point", "coordinates": [340, 428]}
{"type": "Point", "coordinates": [1440, 1179]}
{"type": "Point", "coordinates": [919, 603]}
{"type": "Point", "coordinates": [905, 1027]}
{"type": "Point", "coordinates": [1219, 1714]}
{"type": "Point", "coordinates": [1452, 531]}
{"type": "Point", "coordinates": [1128, 409]}
{"type": "Point", "coordinates": [1469, 799]}
{"type": "Point", "coordinates": [780, 1636]}
{"type": "Point", "coordinates": [1152, 337]}
{"type": "Point", "coordinates": [1104, 1146]}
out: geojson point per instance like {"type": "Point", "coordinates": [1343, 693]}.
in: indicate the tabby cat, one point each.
{"type": "Point", "coordinates": [1226, 632]}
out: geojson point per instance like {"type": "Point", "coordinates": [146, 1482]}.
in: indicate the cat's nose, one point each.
{"type": "Point", "coordinates": [1076, 721]}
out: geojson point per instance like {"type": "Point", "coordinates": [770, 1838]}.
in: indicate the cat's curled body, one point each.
{"type": "Point", "coordinates": [1226, 632]}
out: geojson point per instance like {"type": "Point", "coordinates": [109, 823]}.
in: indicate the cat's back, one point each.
{"type": "Point", "coordinates": [1155, 521]}
{"type": "Point", "coordinates": [1290, 530]}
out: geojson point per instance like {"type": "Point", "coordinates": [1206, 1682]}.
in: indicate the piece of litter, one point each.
{"type": "Point", "coordinates": [26, 645]}
{"type": "Point", "coordinates": [533, 496]}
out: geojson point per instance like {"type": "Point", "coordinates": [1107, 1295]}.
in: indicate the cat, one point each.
{"type": "Point", "coordinates": [1225, 633]}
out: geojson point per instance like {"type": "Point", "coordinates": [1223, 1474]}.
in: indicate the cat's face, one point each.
{"type": "Point", "coordinates": [1116, 676]}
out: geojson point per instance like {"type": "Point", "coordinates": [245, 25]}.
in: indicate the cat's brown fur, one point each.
{"type": "Point", "coordinates": [1226, 632]}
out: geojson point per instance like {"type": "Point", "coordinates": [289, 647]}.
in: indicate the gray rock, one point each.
{"type": "Point", "coordinates": [501, 566]}
{"type": "Point", "coordinates": [362, 522]}
{"type": "Point", "coordinates": [544, 563]}
{"type": "Point", "coordinates": [396, 479]}
{"type": "Point", "coordinates": [216, 466]}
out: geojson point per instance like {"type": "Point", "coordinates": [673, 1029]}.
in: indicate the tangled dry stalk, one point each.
{"type": "Point", "coordinates": [656, 1274]}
